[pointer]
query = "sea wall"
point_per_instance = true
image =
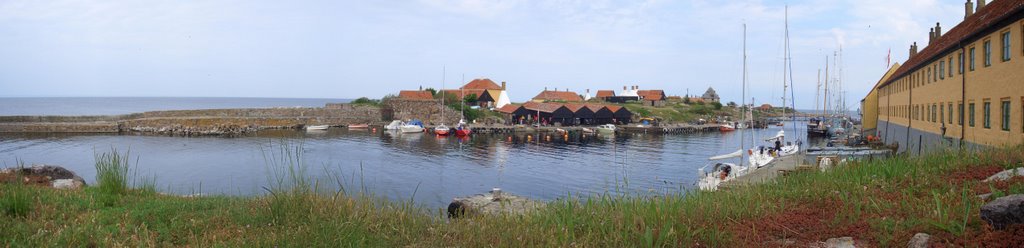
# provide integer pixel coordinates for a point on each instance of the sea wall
(428, 111)
(198, 122)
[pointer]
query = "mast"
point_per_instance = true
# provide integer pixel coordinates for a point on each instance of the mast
(785, 58)
(817, 92)
(743, 100)
(462, 109)
(443, 73)
(824, 109)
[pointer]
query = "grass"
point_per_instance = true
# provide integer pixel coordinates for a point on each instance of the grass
(880, 203)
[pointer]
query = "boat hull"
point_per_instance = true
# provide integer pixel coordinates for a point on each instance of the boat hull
(463, 132)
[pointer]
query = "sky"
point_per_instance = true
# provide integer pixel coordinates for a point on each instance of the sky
(351, 49)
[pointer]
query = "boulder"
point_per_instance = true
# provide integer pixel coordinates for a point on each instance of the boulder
(1006, 174)
(48, 175)
(843, 242)
(920, 240)
(1004, 211)
(491, 203)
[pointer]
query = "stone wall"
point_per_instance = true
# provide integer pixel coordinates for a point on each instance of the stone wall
(198, 122)
(428, 111)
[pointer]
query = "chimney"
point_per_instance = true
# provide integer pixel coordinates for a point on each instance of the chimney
(931, 36)
(913, 50)
(556, 89)
(981, 4)
(623, 87)
(938, 31)
(421, 87)
(588, 91)
(968, 8)
(502, 85)
(545, 88)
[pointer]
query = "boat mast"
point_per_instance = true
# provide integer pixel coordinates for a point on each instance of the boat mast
(817, 92)
(462, 109)
(824, 109)
(743, 100)
(443, 73)
(785, 57)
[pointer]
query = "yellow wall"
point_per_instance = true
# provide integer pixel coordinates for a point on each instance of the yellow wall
(1003, 80)
(870, 106)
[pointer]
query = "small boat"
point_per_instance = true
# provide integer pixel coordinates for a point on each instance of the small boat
(606, 128)
(561, 131)
(720, 172)
(317, 127)
(589, 131)
(726, 128)
(358, 126)
(394, 125)
(463, 130)
(414, 126)
(442, 130)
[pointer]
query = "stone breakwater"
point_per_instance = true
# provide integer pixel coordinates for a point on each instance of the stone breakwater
(197, 122)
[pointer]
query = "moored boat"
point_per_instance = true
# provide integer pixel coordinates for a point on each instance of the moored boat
(463, 130)
(589, 131)
(317, 127)
(442, 130)
(726, 128)
(394, 125)
(720, 171)
(414, 126)
(606, 128)
(358, 126)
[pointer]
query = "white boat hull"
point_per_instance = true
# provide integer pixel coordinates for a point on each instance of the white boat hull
(411, 129)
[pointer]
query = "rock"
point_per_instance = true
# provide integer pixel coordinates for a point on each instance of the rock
(68, 184)
(49, 175)
(1006, 174)
(492, 204)
(920, 240)
(1004, 211)
(844, 242)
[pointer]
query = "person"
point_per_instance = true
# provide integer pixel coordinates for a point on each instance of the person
(725, 171)
(778, 145)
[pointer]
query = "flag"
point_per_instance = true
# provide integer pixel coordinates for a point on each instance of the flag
(888, 58)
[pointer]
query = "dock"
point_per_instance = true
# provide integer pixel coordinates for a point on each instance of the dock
(631, 129)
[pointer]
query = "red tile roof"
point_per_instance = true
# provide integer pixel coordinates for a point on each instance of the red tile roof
(574, 107)
(975, 24)
(509, 108)
(614, 108)
(415, 95)
(543, 107)
(549, 95)
(605, 93)
(595, 107)
(481, 84)
(463, 93)
(651, 95)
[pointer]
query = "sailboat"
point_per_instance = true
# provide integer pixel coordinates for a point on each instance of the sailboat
(413, 126)
(442, 130)
(463, 130)
(782, 147)
(723, 171)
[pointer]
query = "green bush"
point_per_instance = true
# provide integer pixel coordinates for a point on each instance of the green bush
(366, 101)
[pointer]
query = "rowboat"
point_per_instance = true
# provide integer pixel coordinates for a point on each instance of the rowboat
(358, 126)
(317, 127)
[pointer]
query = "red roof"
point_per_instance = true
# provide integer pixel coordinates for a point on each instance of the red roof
(975, 24)
(605, 93)
(508, 108)
(415, 95)
(481, 84)
(614, 108)
(651, 95)
(574, 107)
(567, 96)
(463, 93)
(595, 107)
(543, 107)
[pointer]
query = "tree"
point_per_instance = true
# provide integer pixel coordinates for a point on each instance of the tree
(718, 105)
(732, 104)
(469, 98)
(433, 92)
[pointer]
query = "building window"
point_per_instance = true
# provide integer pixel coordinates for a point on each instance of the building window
(1006, 115)
(934, 113)
(988, 53)
(942, 111)
(987, 115)
(950, 119)
(970, 116)
(1006, 46)
(942, 69)
(960, 63)
(950, 67)
(971, 55)
(960, 113)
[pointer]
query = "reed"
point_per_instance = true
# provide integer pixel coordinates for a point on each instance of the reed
(15, 199)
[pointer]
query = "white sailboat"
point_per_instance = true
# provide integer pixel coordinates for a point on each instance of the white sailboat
(442, 130)
(394, 125)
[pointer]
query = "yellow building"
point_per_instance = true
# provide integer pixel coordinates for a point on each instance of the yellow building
(869, 105)
(965, 89)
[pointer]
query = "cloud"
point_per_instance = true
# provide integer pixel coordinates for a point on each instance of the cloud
(477, 8)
